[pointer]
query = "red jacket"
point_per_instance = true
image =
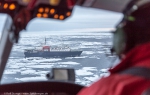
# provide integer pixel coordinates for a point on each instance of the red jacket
(124, 84)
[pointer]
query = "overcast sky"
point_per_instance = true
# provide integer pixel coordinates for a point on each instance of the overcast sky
(82, 18)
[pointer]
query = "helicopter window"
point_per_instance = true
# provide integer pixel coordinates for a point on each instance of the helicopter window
(83, 42)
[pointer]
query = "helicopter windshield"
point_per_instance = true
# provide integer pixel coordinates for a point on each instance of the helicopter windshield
(85, 36)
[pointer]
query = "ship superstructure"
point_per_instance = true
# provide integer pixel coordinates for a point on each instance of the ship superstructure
(52, 52)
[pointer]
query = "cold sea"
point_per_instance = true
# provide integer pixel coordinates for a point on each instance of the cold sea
(89, 67)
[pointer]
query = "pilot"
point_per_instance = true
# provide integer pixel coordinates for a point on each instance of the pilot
(131, 43)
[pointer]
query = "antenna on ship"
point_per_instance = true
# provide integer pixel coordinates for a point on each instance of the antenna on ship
(45, 40)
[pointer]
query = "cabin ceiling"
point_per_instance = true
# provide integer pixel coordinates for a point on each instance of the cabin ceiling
(112, 5)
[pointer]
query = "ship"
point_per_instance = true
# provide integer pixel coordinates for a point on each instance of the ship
(52, 52)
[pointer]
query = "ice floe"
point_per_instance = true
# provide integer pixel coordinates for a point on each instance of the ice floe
(93, 78)
(83, 72)
(88, 52)
(28, 79)
(69, 63)
(90, 68)
(40, 66)
(47, 60)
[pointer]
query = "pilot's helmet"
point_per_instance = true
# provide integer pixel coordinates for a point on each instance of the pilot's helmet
(134, 29)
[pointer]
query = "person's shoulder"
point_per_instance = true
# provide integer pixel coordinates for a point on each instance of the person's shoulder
(117, 84)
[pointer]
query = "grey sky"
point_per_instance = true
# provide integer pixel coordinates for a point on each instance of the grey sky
(81, 18)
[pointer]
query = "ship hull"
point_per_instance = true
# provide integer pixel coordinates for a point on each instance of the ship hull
(53, 54)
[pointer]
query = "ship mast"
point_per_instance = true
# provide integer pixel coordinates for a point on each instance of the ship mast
(45, 40)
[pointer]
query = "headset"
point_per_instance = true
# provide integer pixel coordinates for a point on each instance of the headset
(120, 36)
